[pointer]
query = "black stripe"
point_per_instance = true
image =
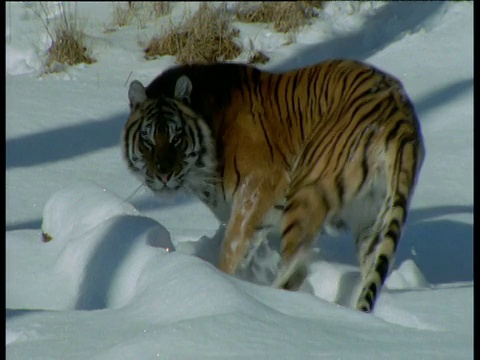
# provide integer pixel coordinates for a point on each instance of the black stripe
(332, 79)
(381, 267)
(410, 138)
(392, 133)
(356, 78)
(251, 91)
(352, 142)
(130, 129)
(344, 88)
(316, 150)
(375, 109)
(365, 161)
(286, 163)
(290, 206)
(391, 111)
(395, 224)
(315, 81)
(337, 154)
(312, 100)
(200, 136)
(373, 289)
(394, 236)
(325, 141)
(302, 105)
(267, 140)
(295, 80)
(262, 227)
(297, 111)
(287, 98)
(401, 202)
(340, 187)
(258, 89)
(302, 132)
(373, 244)
(369, 298)
(237, 173)
(199, 162)
(364, 309)
(290, 228)
(326, 202)
(356, 103)
(222, 171)
(275, 94)
(273, 97)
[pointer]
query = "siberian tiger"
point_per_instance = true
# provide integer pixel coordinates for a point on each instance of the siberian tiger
(336, 143)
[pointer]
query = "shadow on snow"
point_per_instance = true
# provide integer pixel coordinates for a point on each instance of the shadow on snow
(389, 24)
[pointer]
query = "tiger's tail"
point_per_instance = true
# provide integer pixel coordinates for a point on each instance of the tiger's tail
(404, 157)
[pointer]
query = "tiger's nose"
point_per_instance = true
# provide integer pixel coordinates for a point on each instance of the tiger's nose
(164, 177)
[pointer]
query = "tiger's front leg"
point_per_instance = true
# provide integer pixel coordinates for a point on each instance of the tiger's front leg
(252, 200)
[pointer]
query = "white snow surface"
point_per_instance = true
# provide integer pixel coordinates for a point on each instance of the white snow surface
(128, 275)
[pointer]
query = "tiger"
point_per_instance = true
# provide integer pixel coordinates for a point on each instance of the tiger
(335, 145)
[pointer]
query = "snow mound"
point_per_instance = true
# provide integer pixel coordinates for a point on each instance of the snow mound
(80, 207)
(105, 244)
(407, 276)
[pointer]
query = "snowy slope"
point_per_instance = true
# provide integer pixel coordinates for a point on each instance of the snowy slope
(110, 285)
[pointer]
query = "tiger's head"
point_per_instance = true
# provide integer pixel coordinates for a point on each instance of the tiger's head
(165, 142)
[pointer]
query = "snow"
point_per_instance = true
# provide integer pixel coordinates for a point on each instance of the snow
(127, 275)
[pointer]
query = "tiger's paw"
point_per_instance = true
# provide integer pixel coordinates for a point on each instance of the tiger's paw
(292, 273)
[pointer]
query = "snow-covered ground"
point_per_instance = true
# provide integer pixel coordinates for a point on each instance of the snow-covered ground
(131, 276)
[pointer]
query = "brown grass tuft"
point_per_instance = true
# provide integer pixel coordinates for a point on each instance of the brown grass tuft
(68, 47)
(139, 12)
(123, 16)
(68, 38)
(205, 37)
(161, 8)
(285, 15)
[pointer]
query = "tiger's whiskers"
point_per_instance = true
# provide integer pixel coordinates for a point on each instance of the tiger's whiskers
(133, 193)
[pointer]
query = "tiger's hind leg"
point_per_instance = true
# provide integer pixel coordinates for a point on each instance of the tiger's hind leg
(304, 214)
(376, 246)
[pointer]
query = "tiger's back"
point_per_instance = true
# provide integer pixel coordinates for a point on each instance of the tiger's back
(335, 143)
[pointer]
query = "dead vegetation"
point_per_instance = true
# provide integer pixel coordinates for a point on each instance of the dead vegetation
(205, 37)
(138, 12)
(67, 36)
(161, 8)
(208, 36)
(286, 16)
(123, 15)
(68, 47)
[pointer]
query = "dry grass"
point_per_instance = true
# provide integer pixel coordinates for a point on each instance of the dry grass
(68, 47)
(139, 12)
(205, 37)
(161, 8)
(286, 16)
(68, 39)
(123, 16)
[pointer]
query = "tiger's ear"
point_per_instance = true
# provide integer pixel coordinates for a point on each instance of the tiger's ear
(136, 94)
(183, 89)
